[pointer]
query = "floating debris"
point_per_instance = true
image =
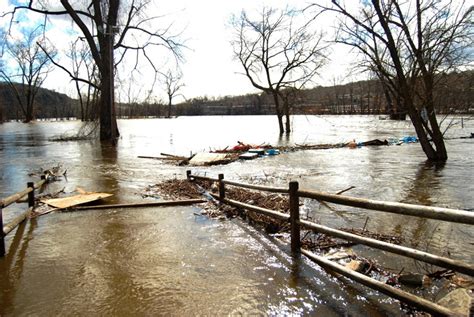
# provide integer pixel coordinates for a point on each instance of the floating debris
(52, 174)
(82, 198)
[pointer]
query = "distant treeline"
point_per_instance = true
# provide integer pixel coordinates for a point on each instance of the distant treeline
(455, 94)
(49, 104)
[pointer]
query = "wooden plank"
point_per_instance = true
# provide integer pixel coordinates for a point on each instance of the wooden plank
(458, 266)
(438, 213)
(67, 202)
(145, 204)
(393, 292)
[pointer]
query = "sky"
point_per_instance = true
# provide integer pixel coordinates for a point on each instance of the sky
(209, 68)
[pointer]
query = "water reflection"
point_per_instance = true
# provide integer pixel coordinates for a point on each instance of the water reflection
(425, 184)
(12, 265)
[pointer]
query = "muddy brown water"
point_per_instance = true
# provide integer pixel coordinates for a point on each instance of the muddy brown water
(172, 261)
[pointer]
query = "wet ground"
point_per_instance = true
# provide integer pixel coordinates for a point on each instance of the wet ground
(174, 262)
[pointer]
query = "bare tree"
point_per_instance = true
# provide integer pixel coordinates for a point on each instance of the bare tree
(408, 43)
(31, 67)
(82, 62)
(172, 81)
(277, 53)
(109, 26)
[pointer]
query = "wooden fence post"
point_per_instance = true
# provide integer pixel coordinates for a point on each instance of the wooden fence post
(31, 195)
(294, 217)
(221, 187)
(188, 175)
(2, 234)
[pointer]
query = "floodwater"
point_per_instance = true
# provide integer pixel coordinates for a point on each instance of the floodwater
(173, 261)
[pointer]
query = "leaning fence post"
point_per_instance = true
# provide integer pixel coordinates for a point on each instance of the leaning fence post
(188, 175)
(221, 187)
(294, 217)
(31, 194)
(2, 234)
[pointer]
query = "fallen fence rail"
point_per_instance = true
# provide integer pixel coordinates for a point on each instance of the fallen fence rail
(30, 191)
(393, 292)
(146, 204)
(437, 213)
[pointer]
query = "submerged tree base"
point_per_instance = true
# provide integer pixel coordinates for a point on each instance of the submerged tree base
(88, 131)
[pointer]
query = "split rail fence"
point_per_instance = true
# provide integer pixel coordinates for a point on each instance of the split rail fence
(30, 191)
(296, 224)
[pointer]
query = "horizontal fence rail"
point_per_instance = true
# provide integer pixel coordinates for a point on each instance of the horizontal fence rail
(393, 248)
(258, 187)
(445, 214)
(264, 211)
(17, 196)
(437, 213)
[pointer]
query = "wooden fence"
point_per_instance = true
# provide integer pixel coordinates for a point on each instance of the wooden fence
(6, 229)
(442, 214)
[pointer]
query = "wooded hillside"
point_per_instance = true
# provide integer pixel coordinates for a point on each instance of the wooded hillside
(49, 104)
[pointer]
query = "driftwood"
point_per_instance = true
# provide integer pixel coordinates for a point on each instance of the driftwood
(181, 160)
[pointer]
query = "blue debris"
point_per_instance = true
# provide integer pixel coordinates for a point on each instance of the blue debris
(409, 139)
(272, 152)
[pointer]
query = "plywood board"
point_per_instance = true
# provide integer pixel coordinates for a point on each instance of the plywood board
(67, 202)
(208, 158)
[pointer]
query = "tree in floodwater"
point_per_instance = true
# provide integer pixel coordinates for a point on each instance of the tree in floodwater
(277, 53)
(172, 81)
(109, 26)
(28, 67)
(408, 44)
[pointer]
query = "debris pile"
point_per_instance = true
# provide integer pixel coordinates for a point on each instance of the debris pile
(245, 151)
(52, 174)
(173, 189)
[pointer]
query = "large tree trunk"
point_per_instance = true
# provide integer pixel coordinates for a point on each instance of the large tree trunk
(107, 118)
(437, 153)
